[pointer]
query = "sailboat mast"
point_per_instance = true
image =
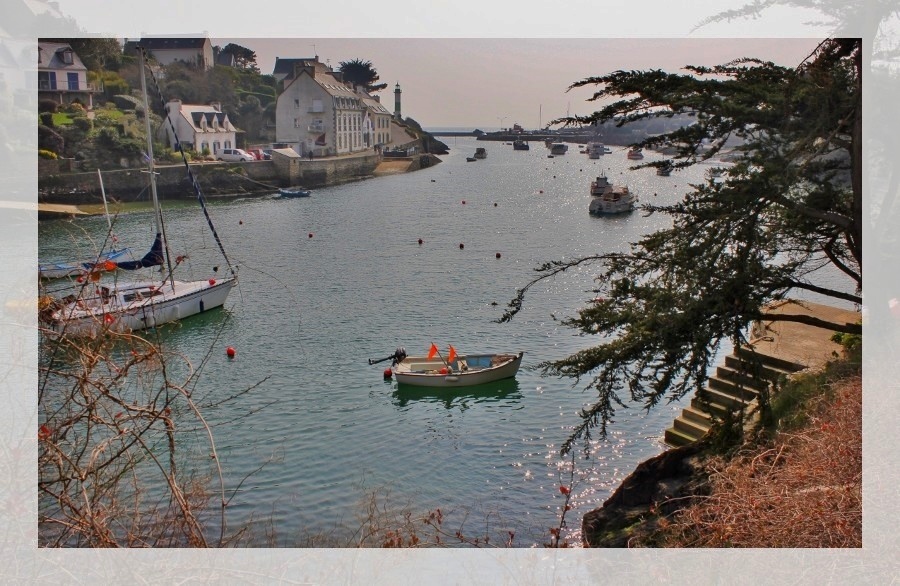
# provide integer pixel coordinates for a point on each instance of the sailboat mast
(105, 206)
(151, 169)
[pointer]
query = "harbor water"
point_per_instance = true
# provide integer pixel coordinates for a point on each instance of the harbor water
(331, 281)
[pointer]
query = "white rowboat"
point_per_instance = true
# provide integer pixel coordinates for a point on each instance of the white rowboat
(465, 370)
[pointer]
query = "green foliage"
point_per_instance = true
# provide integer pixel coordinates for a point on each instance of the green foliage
(47, 105)
(850, 342)
(788, 409)
(244, 58)
(791, 204)
(45, 154)
(359, 72)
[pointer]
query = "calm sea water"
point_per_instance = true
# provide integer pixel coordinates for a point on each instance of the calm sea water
(333, 280)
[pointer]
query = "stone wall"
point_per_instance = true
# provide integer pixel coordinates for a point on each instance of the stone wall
(215, 179)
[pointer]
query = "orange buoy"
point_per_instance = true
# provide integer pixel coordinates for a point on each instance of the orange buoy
(444, 370)
(230, 351)
(387, 373)
(212, 282)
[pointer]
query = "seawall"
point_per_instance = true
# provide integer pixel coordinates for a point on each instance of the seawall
(215, 179)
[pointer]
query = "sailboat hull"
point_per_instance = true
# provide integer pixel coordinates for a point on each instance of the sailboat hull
(139, 306)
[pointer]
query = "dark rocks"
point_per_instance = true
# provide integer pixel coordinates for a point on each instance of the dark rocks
(657, 486)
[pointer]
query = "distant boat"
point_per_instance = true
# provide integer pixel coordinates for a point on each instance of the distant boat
(471, 159)
(665, 170)
(609, 198)
(480, 153)
(520, 145)
(635, 153)
(290, 192)
(596, 150)
(558, 148)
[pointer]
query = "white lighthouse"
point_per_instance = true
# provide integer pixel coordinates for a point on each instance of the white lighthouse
(397, 101)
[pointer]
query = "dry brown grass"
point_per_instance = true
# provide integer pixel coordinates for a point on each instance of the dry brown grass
(803, 490)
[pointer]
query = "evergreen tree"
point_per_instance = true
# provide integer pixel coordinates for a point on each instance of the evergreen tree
(790, 205)
(359, 72)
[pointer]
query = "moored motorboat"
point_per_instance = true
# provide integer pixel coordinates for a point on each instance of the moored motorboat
(609, 198)
(480, 153)
(471, 159)
(457, 371)
(520, 145)
(558, 148)
(635, 153)
(664, 171)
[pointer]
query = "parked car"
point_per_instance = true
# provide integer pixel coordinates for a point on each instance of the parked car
(234, 155)
(267, 154)
(257, 154)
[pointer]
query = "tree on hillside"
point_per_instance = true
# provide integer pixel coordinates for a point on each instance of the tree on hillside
(788, 207)
(244, 58)
(362, 73)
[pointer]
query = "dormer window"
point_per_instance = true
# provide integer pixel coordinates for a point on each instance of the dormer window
(67, 56)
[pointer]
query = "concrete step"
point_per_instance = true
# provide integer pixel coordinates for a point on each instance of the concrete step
(741, 378)
(715, 411)
(766, 359)
(725, 399)
(732, 389)
(676, 439)
(691, 428)
(767, 372)
(697, 415)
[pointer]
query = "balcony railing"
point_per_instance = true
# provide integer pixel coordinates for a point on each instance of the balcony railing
(44, 85)
(315, 128)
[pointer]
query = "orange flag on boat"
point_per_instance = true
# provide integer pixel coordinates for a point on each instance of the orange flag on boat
(432, 351)
(452, 355)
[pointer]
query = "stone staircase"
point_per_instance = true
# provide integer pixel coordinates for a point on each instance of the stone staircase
(734, 388)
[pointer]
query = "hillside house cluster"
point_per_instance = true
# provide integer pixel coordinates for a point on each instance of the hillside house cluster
(318, 114)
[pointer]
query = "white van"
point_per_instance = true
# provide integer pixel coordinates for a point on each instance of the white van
(235, 155)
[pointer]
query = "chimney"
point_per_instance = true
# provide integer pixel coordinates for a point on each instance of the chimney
(173, 105)
(217, 106)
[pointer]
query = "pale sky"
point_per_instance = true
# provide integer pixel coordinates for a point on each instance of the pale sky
(483, 82)
(476, 62)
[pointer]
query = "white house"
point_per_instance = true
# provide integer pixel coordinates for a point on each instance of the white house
(62, 76)
(318, 114)
(198, 127)
(196, 52)
(377, 122)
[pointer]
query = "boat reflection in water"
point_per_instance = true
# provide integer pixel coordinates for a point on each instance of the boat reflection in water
(506, 390)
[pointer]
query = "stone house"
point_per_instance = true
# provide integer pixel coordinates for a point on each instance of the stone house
(196, 52)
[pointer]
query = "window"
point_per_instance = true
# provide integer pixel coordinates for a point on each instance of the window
(297, 103)
(72, 79)
(296, 123)
(216, 147)
(67, 57)
(317, 106)
(46, 80)
(227, 144)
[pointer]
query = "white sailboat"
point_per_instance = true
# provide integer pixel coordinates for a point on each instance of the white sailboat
(123, 307)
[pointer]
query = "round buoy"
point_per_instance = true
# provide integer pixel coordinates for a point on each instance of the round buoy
(240, 222)
(387, 373)
(554, 176)
(464, 202)
(498, 255)
(461, 245)
(230, 351)
(444, 370)
(495, 204)
(541, 191)
(432, 180)
(420, 241)
(108, 318)
(212, 282)
(310, 234)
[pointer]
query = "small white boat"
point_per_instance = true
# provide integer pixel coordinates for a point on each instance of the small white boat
(635, 153)
(294, 192)
(558, 148)
(463, 371)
